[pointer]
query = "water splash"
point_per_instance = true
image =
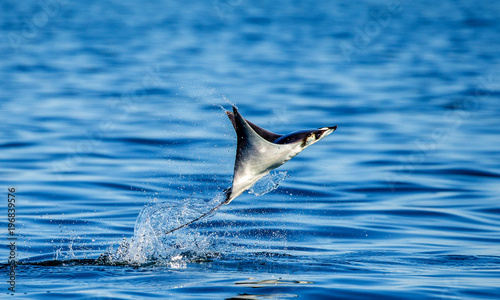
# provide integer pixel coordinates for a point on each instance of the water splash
(67, 253)
(268, 183)
(150, 244)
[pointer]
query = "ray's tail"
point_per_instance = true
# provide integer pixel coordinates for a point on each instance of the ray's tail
(227, 194)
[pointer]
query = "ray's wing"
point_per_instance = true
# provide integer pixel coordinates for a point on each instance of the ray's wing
(255, 155)
(267, 135)
(247, 137)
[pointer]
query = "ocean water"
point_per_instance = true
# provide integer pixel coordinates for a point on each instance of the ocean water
(113, 130)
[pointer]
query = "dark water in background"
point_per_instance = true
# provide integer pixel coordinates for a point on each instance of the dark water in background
(109, 106)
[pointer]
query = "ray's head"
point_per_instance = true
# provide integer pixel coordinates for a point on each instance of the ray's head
(316, 135)
(306, 137)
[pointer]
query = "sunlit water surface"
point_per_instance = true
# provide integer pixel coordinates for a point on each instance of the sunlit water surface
(111, 121)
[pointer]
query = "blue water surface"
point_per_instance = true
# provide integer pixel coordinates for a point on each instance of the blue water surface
(108, 107)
